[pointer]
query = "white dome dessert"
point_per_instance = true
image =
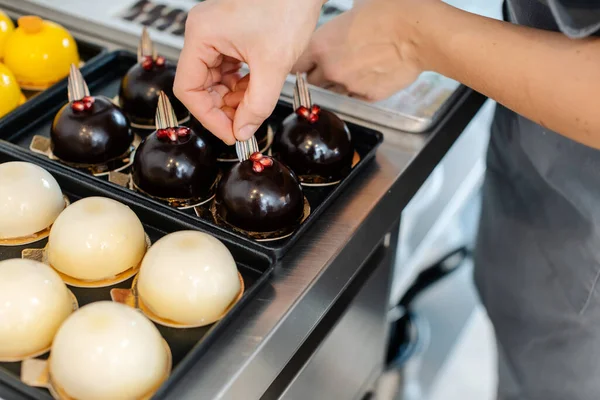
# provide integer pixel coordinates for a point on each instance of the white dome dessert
(96, 238)
(34, 302)
(107, 350)
(188, 277)
(30, 199)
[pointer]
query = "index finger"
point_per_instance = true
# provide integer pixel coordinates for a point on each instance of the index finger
(193, 81)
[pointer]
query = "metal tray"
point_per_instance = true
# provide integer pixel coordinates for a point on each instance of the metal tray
(187, 345)
(103, 77)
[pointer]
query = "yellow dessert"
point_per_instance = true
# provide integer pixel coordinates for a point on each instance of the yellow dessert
(39, 53)
(10, 93)
(6, 27)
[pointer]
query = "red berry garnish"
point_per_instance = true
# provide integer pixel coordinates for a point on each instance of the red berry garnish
(260, 161)
(256, 156)
(183, 131)
(78, 105)
(147, 63)
(303, 111)
(83, 104)
(311, 115)
(162, 133)
(266, 161)
(258, 167)
(172, 133)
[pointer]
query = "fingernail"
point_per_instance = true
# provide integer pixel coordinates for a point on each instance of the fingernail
(247, 131)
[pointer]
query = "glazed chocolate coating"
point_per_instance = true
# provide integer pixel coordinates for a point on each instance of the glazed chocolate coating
(183, 169)
(323, 148)
(91, 136)
(265, 201)
(138, 94)
(225, 151)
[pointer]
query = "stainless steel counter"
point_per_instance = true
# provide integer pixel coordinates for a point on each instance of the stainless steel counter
(258, 345)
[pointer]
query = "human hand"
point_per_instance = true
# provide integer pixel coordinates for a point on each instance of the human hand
(369, 52)
(268, 35)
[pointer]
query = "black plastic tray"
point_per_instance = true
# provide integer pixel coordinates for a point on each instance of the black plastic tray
(103, 77)
(187, 345)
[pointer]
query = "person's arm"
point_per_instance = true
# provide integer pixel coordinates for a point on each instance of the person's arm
(545, 76)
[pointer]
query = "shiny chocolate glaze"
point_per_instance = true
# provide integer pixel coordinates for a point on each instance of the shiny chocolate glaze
(266, 201)
(91, 136)
(138, 95)
(321, 149)
(182, 169)
(228, 152)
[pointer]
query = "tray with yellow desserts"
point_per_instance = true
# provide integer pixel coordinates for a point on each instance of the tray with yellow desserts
(34, 55)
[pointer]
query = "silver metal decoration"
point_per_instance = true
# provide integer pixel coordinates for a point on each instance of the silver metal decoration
(301, 93)
(165, 115)
(77, 87)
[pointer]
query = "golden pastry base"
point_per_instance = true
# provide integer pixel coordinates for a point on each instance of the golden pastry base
(38, 353)
(263, 149)
(37, 373)
(36, 237)
(42, 145)
(41, 255)
(132, 298)
(126, 181)
(259, 236)
(317, 181)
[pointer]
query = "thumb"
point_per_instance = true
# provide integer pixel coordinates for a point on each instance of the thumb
(259, 100)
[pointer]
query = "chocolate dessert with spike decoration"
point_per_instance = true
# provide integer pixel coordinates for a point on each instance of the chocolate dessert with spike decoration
(259, 195)
(174, 163)
(88, 129)
(314, 142)
(138, 94)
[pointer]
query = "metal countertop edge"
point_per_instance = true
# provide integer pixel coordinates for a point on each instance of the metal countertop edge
(258, 344)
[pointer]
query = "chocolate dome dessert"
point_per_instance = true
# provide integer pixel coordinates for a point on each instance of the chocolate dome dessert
(174, 163)
(89, 129)
(138, 94)
(222, 150)
(260, 195)
(315, 143)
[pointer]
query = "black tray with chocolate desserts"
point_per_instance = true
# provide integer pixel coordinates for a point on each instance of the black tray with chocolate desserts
(346, 154)
(186, 345)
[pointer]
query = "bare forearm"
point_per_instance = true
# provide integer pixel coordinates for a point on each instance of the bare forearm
(548, 78)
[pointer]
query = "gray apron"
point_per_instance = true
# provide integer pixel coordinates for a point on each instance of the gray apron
(538, 250)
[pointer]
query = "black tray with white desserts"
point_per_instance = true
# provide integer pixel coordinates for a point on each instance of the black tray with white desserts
(103, 78)
(186, 345)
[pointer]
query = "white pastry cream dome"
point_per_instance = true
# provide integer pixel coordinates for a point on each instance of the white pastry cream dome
(30, 199)
(96, 238)
(108, 350)
(34, 302)
(188, 277)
